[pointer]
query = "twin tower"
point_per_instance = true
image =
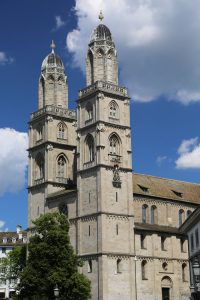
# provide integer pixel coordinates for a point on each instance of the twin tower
(80, 164)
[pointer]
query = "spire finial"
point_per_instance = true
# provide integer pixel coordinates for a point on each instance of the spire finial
(52, 46)
(101, 16)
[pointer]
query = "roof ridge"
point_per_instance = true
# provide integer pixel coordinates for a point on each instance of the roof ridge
(164, 178)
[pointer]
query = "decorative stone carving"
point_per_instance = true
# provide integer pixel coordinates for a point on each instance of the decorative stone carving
(49, 147)
(49, 119)
(100, 128)
(116, 177)
(128, 133)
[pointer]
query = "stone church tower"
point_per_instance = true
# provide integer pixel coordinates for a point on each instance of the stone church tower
(52, 139)
(104, 174)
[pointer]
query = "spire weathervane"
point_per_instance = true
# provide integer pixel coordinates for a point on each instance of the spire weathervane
(52, 46)
(101, 16)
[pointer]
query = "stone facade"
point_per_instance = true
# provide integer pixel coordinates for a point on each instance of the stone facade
(124, 226)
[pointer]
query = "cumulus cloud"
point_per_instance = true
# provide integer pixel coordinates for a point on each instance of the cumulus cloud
(59, 23)
(13, 160)
(189, 154)
(4, 59)
(157, 41)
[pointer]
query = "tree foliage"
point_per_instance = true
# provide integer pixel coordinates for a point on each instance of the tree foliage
(52, 261)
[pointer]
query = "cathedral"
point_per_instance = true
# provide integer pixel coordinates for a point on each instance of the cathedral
(123, 225)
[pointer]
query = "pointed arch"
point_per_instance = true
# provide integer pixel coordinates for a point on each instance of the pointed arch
(61, 166)
(113, 110)
(39, 166)
(90, 68)
(51, 78)
(114, 144)
(89, 148)
(61, 131)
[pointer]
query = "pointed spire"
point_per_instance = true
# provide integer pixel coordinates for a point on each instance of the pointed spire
(101, 16)
(52, 46)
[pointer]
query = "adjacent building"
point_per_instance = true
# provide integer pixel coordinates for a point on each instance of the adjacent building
(7, 241)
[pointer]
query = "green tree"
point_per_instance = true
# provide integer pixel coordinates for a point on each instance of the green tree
(52, 262)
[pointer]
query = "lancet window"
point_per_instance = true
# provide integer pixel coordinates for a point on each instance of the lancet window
(61, 166)
(114, 144)
(89, 148)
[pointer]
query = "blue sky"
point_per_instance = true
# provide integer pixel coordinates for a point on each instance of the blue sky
(159, 59)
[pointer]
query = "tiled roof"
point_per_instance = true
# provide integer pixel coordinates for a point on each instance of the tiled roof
(166, 188)
(157, 228)
(10, 235)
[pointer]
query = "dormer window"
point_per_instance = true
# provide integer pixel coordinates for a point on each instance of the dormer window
(179, 194)
(5, 240)
(13, 240)
(143, 188)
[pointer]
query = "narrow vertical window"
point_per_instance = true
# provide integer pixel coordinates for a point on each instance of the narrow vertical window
(188, 213)
(113, 110)
(117, 229)
(89, 148)
(143, 241)
(181, 214)
(163, 243)
(192, 242)
(89, 197)
(144, 213)
(153, 214)
(119, 265)
(182, 243)
(184, 266)
(89, 266)
(89, 230)
(116, 197)
(144, 269)
(197, 237)
(61, 131)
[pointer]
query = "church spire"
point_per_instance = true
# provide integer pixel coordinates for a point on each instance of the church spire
(101, 63)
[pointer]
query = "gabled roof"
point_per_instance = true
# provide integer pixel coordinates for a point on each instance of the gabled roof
(166, 188)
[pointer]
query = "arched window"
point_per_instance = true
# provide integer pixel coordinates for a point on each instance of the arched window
(90, 68)
(61, 131)
(144, 213)
(39, 166)
(89, 266)
(89, 112)
(144, 269)
(61, 167)
(181, 216)
(113, 110)
(39, 132)
(114, 144)
(89, 149)
(165, 266)
(119, 265)
(188, 213)
(184, 269)
(153, 214)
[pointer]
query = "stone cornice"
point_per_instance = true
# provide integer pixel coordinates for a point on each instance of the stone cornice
(108, 124)
(106, 88)
(129, 170)
(42, 144)
(96, 214)
(53, 111)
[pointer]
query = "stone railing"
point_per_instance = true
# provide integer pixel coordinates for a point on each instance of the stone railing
(54, 110)
(39, 181)
(103, 86)
(114, 158)
(88, 164)
(62, 180)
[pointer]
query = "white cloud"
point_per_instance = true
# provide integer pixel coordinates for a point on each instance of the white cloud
(160, 159)
(4, 59)
(13, 160)
(157, 41)
(189, 154)
(59, 23)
